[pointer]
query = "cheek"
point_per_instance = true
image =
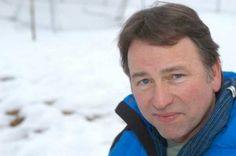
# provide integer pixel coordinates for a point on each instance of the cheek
(197, 98)
(143, 101)
(194, 90)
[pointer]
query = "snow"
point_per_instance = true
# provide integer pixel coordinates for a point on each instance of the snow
(63, 88)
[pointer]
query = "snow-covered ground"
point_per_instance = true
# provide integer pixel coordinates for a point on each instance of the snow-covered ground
(58, 94)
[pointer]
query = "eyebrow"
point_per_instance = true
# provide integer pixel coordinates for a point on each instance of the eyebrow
(139, 74)
(163, 71)
(172, 69)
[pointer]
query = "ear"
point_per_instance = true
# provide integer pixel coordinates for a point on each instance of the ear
(216, 76)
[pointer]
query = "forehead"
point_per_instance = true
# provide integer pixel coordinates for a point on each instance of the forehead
(143, 55)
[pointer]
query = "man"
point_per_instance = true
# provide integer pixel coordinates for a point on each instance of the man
(182, 103)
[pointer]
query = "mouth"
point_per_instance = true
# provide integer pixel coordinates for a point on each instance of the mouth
(166, 117)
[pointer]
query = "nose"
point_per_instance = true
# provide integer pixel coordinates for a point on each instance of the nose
(162, 97)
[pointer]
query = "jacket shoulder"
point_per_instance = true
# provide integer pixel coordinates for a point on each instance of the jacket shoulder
(225, 142)
(229, 75)
(127, 144)
(135, 139)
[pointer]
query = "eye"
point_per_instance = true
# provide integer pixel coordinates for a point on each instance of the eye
(144, 82)
(177, 78)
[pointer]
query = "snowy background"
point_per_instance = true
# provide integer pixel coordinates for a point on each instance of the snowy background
(58, 93)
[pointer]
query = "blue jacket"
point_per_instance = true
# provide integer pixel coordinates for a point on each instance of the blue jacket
(138, 139)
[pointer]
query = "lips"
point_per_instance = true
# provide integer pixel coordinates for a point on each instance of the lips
(166, 117)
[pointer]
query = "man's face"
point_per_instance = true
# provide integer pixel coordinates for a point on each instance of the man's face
(172, 87)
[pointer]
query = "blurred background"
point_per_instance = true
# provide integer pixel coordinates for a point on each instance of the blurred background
(60, 77)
